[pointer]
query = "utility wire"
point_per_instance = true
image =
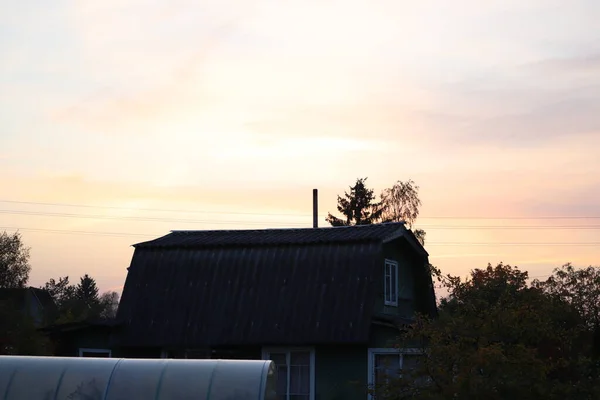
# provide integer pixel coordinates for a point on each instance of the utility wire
(564, 217)
(73, 232)
(146, 209)
(287, 224)
(146, 219)
(457, 244)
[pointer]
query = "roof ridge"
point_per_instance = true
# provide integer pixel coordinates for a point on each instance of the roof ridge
(277, 236)
(400, 223)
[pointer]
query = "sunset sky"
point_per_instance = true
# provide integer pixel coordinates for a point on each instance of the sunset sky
(121, 120)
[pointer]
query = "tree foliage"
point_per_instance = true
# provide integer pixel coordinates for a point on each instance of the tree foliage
(109, 303)
(400, 203)
(87, 291)
(14, 261)
(61, 291)
(497, 337)
(19, 334)
(578, 287)
(81, 301)
(359, 207)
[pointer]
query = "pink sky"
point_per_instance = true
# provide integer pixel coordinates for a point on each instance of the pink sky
(234, 110)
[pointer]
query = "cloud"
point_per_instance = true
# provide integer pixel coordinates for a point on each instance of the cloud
(539, 125)
(582, 64)
(569, 201)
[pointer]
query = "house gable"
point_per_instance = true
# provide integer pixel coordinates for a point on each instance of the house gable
(35, 303)
(275, 286)
(413, 287)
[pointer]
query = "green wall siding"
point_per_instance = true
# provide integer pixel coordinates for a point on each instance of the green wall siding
(69, 343)
(398, 252)
(341, 372)
(383, 336)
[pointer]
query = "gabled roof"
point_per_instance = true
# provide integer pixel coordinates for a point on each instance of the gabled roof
(78, 325)
(273, 286)
(19, 296)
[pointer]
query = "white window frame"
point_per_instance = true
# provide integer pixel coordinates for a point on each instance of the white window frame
(393, 265)
(372, 352)
(266, 351)
(99, 351)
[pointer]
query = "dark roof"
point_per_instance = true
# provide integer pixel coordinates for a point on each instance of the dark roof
(270, 237)
(274, 286)
(78, 325)
(19, 296)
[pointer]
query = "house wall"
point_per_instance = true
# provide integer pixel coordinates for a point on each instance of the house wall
(69, 343)
(34, 308)
(383, 336)
(340, 372)
(399, 252)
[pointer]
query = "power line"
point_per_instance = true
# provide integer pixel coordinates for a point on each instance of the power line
(517, 244)
(441, 286)
(145, 209)
(457, 244)
(289, 224)
(456, 217)
(73, 232)
(145, 219)
(513, 218)
(486, 227)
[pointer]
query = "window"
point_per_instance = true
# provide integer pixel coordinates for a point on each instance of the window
(390, 289)
(97, 353)
(386, 364)
(295, 372)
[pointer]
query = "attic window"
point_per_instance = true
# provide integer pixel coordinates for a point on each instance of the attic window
(390, 288)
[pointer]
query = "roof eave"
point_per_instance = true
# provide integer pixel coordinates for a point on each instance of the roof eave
(410, 238)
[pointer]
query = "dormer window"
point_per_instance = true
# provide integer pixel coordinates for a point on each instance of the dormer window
(390, 290)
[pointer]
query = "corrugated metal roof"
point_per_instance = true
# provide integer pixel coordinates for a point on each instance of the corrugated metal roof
(208, 238)
(319, 293)
(273, 286)
(19, 295)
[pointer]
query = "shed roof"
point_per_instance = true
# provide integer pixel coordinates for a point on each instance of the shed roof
(275, 286)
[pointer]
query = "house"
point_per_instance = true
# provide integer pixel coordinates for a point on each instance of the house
(324, 303)
(33, 303)
(87, 338)
(22, 309)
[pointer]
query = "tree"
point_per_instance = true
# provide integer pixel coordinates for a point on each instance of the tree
(401, 203)
(109, 302)
(19, 334)
(87, 291)
(497, 337)
(358, 207)
(81, 301)
(14, 261)
(578, 287)
(62, 292)
(581, 289)
(88, 299)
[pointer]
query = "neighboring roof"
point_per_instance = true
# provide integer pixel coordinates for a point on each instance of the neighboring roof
(78, 325)
(275, 286)
(291, 236)
(19, 296)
